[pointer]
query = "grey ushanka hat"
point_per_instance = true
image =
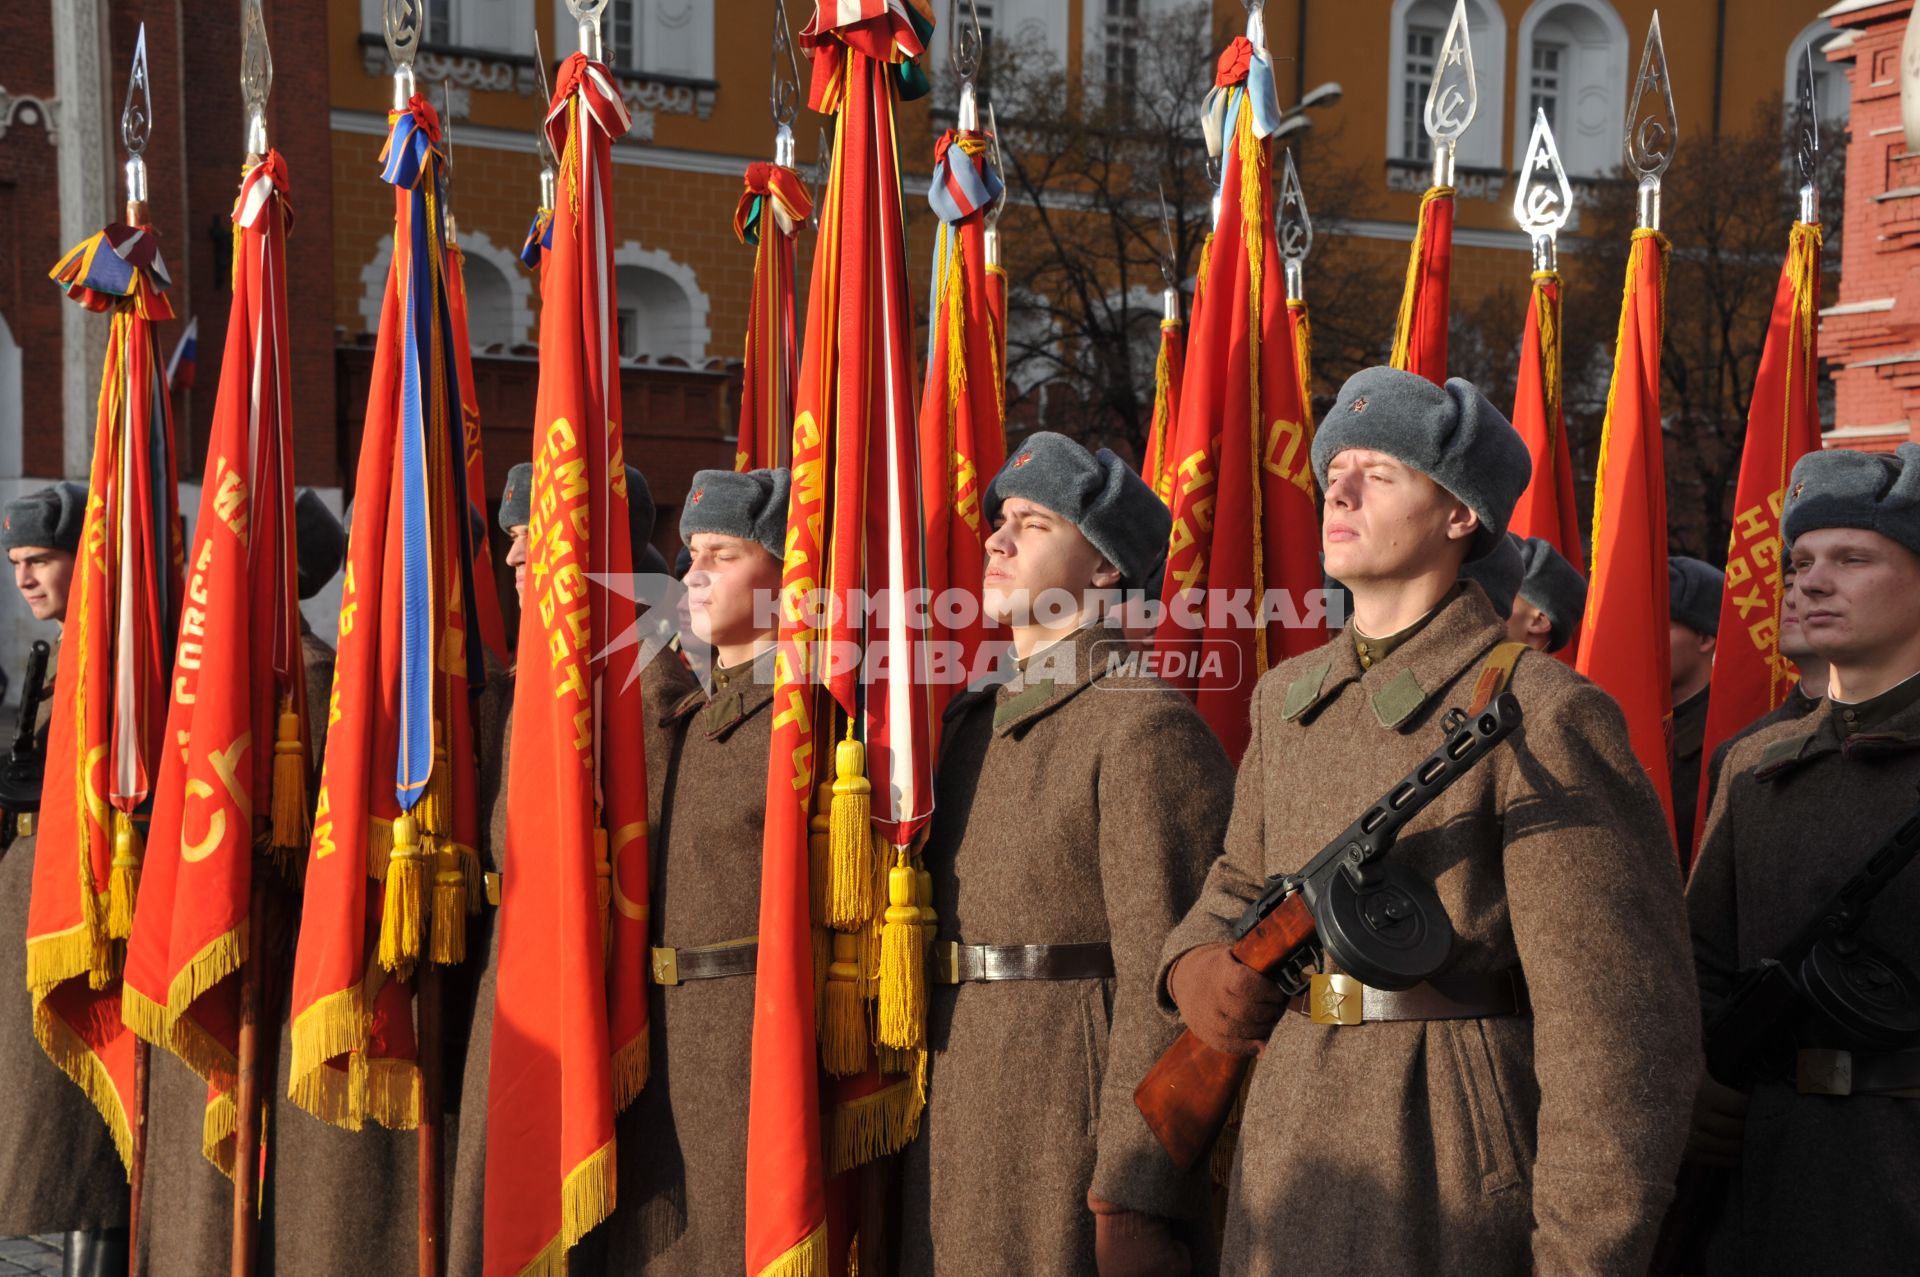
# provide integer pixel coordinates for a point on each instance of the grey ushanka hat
(1873, 491)
(1499, 573)
(51, 517)
(752, 506)
(1554, 586)
(1693, 593)
(1095, 491)
(320, 541)
(1449, 433)
(516, 498)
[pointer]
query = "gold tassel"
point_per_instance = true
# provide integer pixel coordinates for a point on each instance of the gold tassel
(903, 972)
(449, 905)
(870, 934)
(843, 1044)
(435, 809)
(289, 787)
(124, 882)
(406, 889)
(852, 830)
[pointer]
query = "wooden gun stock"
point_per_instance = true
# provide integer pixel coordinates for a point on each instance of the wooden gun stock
(1188, 1093)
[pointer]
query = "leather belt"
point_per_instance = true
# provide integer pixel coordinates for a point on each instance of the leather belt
(1828, 1072)
(705, 962)
(956, 963)
(1338, 998)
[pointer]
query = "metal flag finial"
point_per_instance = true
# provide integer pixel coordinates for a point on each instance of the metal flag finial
(1454, 95)
(818, 172)
(1170, 294)
(1543, 201)
(998, 160)
(549, 163)
(587, 14)
(256, 76)
(402, 21)
(783, 99)
(1296, 228)
(1807, 141)
(136, 124)
(964, 53)
(1652, 126)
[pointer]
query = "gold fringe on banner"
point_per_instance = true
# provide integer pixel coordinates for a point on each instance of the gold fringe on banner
(808, 1258)
(843, 1037)
(873, 1125)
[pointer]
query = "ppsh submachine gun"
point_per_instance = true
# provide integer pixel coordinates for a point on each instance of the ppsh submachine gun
(1373, 918)
(1826, 990)
(26, 761)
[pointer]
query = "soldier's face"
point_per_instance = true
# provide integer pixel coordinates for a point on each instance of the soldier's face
(43, 575)
(517, 559)
(1031, 552)
(729, 576)
(1859, 595)
(1386, 521)
(1793, 639)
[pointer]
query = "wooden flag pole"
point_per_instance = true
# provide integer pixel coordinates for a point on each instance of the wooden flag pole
(137, 1174)
(431, 1071)
(246, 1092)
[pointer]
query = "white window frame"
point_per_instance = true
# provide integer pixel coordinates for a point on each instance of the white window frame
(699, 13)
(1483, 144)
(1577, 77)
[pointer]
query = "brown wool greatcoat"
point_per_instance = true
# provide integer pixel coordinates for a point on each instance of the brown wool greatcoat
(58, 1168)
(1683, 767)
(1475, 1146)
(1073, 805)
(682, 1144)
(1825, 1186)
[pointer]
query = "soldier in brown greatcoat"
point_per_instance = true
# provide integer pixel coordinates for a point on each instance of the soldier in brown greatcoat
(1524, 1107)
(59, 1172)
(1693, 603)
(683, 1142)
(1822, 1148)
(1534, 589)
(1078, 805)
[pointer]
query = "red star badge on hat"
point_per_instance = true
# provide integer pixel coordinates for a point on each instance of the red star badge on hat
(697, 494)
(1022, 460)
(1799, 487)
(1358, 405)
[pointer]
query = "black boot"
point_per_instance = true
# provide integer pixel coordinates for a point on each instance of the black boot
(98, 1253)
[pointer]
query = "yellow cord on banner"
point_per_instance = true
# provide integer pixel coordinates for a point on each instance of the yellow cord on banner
(1402, 355)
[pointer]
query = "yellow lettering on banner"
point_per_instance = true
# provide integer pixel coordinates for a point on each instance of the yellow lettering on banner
(569, 584)
(560, 437)
(583, 732)
(966, 496)
(570, 478)
(1750, 524)
(348, 605)
(97, 532)
(197, 587)
(230, 499)
(323, 844)
(1284, 438)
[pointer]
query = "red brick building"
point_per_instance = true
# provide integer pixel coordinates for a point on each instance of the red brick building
(1870, 336)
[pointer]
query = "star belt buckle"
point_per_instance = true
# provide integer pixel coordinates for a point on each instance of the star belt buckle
(1336, 999)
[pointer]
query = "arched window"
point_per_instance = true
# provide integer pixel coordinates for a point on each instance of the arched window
(1831, 93)
(490, 308)
(1415, 33)
(1573, 55)
(498, 26)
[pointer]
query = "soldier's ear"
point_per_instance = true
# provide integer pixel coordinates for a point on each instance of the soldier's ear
(1462, 522)
(1106, 576)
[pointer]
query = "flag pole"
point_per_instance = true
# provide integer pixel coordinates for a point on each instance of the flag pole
(256, 81)
(136, 119)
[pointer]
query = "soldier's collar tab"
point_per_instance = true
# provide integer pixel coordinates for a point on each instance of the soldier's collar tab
(1784, 755)
(1304, 692)
(1399, 700)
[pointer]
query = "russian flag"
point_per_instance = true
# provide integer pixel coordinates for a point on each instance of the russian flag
(180, 366)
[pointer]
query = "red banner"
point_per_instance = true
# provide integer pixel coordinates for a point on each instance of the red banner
(772, 210)
(1420, 329)
(1626, 650)
(963, 434)
(105, 737)
(1246, 522)
(1167, 369)
(493, 624)
(1750, 676)
(570, 1042)
(239, 695)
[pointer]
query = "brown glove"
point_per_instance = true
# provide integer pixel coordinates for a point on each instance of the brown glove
(1228, 1005)
(1131, 1243)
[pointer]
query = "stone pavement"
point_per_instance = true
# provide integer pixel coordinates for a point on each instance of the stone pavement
(39, 1256)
